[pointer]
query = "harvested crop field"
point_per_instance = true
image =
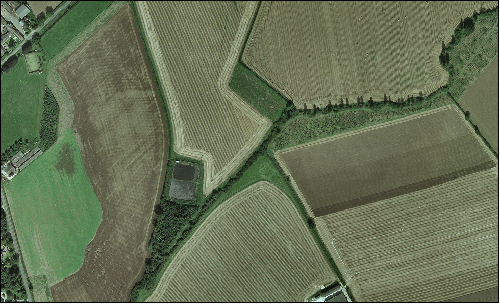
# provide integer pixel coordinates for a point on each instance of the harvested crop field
(39, 6)
(426, 246)
(481, 100)
(488, 295)
(316, 52)
(253, 248)
(195, 53)
(122, 134)
(385, 160)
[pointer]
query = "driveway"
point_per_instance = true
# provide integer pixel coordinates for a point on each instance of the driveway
(61, 8)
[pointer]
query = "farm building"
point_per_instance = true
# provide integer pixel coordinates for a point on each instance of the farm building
(22, 11)
(33, 63)
(18, 162)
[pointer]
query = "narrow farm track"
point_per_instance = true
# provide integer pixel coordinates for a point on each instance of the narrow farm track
(195, 55)
(253, 248)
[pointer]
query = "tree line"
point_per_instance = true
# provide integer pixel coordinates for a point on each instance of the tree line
(49, 122)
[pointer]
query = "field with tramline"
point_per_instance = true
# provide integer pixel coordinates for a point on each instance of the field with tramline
(363, 166)
(196, 52)
(426, 246)
(120, 128)
(254, 247)
(317, 52)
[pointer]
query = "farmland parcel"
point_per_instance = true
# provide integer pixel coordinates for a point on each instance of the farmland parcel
(426, 246)
(254, 247)
(55, 211)
(316, 52)
(386, 160)
(196, 52)
(481, 99)
(121, 130)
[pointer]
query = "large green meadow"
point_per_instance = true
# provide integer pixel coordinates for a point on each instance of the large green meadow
(55, 211)
(21, 104)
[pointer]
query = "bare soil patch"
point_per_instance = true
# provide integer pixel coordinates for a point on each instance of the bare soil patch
(386, 160)
(39, 6)
(121, 126)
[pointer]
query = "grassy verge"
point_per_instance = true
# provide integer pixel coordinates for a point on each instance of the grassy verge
(70, 25)
(54, 192)
(21, 104)
(256, 92)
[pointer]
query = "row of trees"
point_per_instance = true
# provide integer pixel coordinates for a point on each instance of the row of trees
(12, 282)
(50, 119)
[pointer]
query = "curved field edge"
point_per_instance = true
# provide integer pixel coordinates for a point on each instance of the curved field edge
(44, 204)
(211, 179)
(281, 201)
(287, 85)
(143, 130)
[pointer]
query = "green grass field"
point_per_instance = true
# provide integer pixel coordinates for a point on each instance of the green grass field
(21, 104)
(70, 25)
(55, 211)
(256, 92)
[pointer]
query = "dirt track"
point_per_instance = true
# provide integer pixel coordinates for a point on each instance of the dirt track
(123, 140)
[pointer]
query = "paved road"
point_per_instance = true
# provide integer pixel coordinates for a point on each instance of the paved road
(62, 7)
(5, 207)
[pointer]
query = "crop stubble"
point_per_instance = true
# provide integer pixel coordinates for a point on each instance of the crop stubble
(254, 247)
(427, 246)
(123, 139)
(481, 99)
(383, 161)
(315, 51)
(196, 52)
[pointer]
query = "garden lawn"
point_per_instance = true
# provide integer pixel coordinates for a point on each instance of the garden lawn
(22, 103)
(55, 211)
(70, 25)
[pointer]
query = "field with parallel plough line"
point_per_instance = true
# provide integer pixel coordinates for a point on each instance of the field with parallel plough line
(426, 246)
(316, 52)
(195, 53)
(121, 131)
(253, 248)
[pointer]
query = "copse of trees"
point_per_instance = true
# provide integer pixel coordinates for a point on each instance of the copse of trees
(50, 119)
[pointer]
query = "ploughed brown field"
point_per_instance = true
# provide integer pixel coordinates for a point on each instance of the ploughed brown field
(481, 100)
(386, 160)
(120, 125)
(195, 46)
(255, 247)
(316, 52)
(431, 245)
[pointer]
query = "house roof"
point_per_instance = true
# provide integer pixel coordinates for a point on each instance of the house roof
(22, 11)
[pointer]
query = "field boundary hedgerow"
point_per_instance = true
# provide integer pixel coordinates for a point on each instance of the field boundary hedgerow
(380, 111)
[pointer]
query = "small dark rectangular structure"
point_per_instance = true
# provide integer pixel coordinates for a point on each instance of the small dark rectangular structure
(183, 190)
(185, 172)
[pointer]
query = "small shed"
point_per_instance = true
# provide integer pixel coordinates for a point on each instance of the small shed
(22, 11)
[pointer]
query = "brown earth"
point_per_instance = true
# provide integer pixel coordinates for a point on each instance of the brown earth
(426, 246)
(386, 160)
(316, 52)
(123, 140)
(481, 100)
